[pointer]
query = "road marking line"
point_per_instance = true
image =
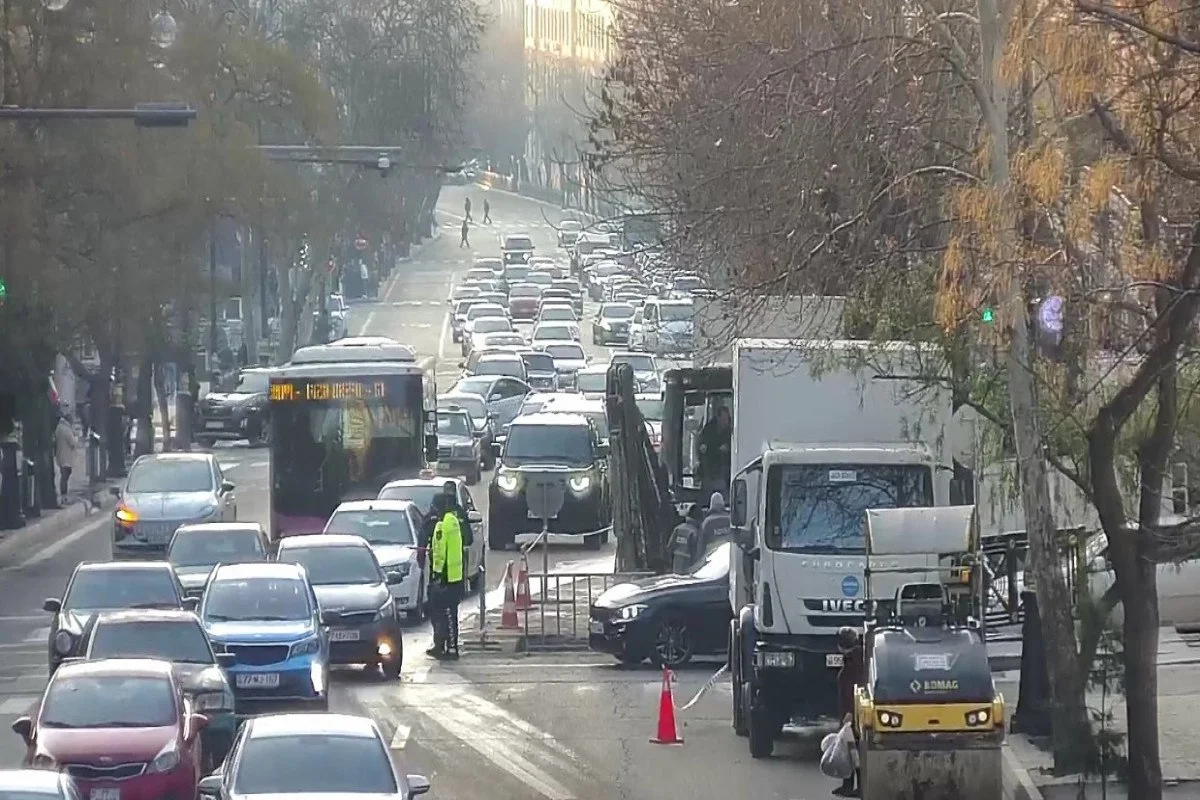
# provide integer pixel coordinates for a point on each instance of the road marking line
(228, 465)
(17, 705)
(50, 551)
(259, 464)
(39, 634)
(400, 737)
(24, 618)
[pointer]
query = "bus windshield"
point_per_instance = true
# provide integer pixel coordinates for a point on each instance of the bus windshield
(345, 446)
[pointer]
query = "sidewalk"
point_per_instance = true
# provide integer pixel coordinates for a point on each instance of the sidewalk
(1178, 713)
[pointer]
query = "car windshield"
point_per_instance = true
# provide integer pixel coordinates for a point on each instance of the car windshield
(554, 444)
(558, 314)
(617, 311)
(257, 599)
(377, 526)
(420, 495)
(179, 640)
(341, 565)
(463, 292)
(540, 278)
(512, 367)
(454, 424)
(253, 383)
(205, 548)
(515, 273)
(651, 408)
(518, 243)
(538, 362)
(122, 588)
(473, 405)
(687, 283)
(463, 306)
(492, 325)
(715, 565)
(161, 475)
(480, 274)
(675, 312)
(569, 352)
(480, 385)
(300, 765)
(109, 701)
(482, 310)
(552, 332)
(525, 290)
(639, 362)
(591, 381)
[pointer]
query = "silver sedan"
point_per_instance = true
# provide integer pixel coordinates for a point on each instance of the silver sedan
(164, 491)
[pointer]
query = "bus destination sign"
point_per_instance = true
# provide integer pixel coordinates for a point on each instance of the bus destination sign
(294, 390)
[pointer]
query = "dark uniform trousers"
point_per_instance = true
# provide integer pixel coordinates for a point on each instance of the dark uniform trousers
(445, 599)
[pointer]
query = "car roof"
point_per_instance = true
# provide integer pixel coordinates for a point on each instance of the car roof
(498, 356)
(558, 419)
(311, 724)
(544, 343)
(221, 527)
(136, 667)
(38, 781)
(375, 505)
(452, 396)
(129, 615)
(327, 539)
(258, 569)
(613, 303)
(593, 369)
(406, 482)
(206, 458)
(454, 411)
(572, 402)
(647, 396)
(628, 353)
(125, 566)
(488, 306)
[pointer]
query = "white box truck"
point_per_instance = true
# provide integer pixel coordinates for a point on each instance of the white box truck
(822, 431)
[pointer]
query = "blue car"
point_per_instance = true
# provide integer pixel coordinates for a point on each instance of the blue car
(266, 615)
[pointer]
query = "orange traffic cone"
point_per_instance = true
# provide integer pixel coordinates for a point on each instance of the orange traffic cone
(508, 615)
(667, 731)
(524, 600)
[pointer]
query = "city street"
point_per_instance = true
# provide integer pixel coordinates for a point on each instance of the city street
(566, 726)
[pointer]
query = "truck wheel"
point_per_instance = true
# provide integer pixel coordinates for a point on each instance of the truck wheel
(735, 670)
(761, 723)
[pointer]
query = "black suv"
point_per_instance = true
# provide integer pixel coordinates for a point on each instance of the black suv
(567, 447)
(240, 413)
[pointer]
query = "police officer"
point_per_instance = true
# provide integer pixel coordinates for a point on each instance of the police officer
(685, 540)
(446, 581)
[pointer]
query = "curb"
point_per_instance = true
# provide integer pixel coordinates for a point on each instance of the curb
(1017, 783)
(49, 529)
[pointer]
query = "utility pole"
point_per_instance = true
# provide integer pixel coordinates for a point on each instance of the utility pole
(212, 296)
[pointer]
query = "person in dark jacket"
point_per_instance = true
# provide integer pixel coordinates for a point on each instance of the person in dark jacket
(715, 455)
(849, 676)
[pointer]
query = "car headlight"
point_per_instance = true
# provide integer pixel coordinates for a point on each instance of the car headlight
(165, 761)
(580, 484)
(213, 701)
(507, 482)
(126, 515)
(404, 569)
(306, 648)
(43, 761)
(64, 643)
(387, 610)
(630, 612)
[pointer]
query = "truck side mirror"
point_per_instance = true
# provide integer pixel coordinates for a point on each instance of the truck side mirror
(737, 504)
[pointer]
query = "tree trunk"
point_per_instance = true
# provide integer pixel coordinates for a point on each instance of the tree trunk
(250, 301)
(160, 393)
(144, 406)
(1069, 715)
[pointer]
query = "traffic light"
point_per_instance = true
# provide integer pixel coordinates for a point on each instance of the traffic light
(988, 314)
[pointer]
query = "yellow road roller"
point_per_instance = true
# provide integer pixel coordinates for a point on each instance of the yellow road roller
(928, 719)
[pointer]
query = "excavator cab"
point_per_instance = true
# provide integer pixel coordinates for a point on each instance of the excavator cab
(691, 397)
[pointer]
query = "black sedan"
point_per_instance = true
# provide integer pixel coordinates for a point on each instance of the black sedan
(666, 618)
(238, 414)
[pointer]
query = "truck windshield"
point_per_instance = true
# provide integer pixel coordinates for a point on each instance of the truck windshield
(819, 508)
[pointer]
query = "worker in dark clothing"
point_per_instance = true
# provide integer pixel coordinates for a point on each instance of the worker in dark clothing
(445, 582)
(716, 523)
(467, 208)
(715, 456)
(466, 228)
(849, 676)
(685, 541)
(487, 212)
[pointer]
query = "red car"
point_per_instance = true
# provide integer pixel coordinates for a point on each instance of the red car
(524, 300)
(120, 728)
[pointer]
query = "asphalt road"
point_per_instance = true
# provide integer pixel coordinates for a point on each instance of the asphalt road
(558, 727)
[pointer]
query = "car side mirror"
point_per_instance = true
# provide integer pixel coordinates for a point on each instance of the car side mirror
(191, 604)
(394, 578)
(210, 785)
(227, 486)
(737, 504)
(115, 491)
(417, 785)
(462, 365)
(23, 727)
(602, 449)
(196, 723)
(474, 517)
(496, 448)
(52, 605)
(226, 660)
(431, 448)
(330, 617)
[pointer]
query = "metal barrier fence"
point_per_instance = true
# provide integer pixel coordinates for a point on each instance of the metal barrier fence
(559, 614)
(1006, 556)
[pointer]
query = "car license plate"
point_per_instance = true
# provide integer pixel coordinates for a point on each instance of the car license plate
(106, 793)
(535, 516)
(345, 636)
(212, 425)
(258, 680)
(596, 626)
(833, 660)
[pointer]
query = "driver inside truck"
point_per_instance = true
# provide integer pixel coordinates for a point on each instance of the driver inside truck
(715, 454)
